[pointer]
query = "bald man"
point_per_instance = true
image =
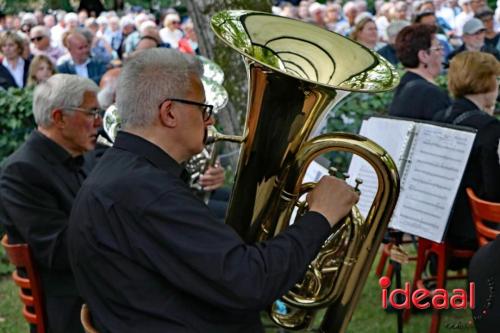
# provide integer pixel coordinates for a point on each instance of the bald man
(81, 62)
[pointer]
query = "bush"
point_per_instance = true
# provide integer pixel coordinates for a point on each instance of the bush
(16, 119)
(16, 123)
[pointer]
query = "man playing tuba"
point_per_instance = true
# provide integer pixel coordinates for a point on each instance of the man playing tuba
(147, 254)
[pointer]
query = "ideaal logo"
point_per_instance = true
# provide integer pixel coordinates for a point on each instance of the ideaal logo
(423, 298)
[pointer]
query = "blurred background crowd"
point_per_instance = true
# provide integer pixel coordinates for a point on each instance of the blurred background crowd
(34, 45)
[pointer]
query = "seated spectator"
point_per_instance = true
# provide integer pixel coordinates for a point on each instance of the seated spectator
(492, 38)
(41, 68)
(189, 43)
(14, 69)
(39, 182)
(365, 32)
(171, 34)
(389, 51)
(417, 95)
(332, 16)
(465, 15)
(80, 62)
(40, 39)
(429, 18)
(474, 34)
(472, 80)
(350, 12)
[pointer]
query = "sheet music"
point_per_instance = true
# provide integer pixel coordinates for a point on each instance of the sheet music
(431, 179)
(392, 135)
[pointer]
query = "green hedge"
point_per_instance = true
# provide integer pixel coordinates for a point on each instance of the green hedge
(16, 122)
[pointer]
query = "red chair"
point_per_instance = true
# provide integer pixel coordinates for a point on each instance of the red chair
(30, 287)
(483, 211)
(443, 252)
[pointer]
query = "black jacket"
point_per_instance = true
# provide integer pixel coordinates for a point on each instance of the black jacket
(482, 172)
(38, 184)
(417, 98)
(7, 80)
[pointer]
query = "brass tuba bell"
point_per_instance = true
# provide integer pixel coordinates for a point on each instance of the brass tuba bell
(297, 73)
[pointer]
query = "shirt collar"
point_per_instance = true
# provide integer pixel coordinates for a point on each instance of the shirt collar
(55, 152)
(82, 65)
(154, 154)
(20, 63)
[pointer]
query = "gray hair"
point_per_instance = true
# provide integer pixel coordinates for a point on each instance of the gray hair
(148, 78)
(106, 95)
(58, 92)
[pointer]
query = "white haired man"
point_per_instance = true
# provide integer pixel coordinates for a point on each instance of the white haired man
(40, 43)
(39, 182)
(146, 253)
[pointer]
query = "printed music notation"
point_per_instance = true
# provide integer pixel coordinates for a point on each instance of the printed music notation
(431, 160)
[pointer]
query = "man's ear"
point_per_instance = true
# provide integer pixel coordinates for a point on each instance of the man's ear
(57, 117)
(168, 116)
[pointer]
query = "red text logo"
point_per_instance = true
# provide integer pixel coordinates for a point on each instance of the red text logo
(423, 298)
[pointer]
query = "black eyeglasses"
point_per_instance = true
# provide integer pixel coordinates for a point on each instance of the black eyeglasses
(206, 109)
(96, 113)
(39, 38)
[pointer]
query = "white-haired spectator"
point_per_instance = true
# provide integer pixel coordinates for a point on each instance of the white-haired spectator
(350, 11)
(477, 5)
(400, 12)
(28, 21)
(80, 63)
(82, 17)
(40, 44)
(132, 40)
(58, 30)
(171, 34)
(361, 5)
(113, 33)
(288, 10)
(317, 14)
(102, 22)
(49, 21)
(382, 19)
(465, 15)
(332, 16)
(71, 21)
(389, 51)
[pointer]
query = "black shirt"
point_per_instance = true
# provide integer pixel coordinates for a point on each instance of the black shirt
(148, 256)
(417, 98)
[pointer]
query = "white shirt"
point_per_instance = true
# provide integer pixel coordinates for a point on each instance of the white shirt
(81, 70)
(18, 72)
(171, 37)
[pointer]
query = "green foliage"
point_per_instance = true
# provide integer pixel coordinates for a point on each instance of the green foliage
(347, 117)
(16, 119)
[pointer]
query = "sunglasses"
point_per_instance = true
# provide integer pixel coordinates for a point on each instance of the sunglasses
(37, 39)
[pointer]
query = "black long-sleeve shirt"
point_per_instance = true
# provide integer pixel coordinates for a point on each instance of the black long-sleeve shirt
(148, 256)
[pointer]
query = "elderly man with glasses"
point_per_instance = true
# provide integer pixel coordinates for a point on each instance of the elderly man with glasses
(147, 254)
(40, 44)
(39, 182)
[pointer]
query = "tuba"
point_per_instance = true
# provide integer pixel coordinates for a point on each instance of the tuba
(297, 73)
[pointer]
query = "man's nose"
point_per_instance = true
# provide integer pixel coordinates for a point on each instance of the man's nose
(210, 121)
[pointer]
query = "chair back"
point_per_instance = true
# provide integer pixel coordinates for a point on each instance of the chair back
(30, 287)
(484, 211)
(86, 319)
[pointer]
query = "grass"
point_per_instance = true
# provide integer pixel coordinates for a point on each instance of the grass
(369, 316)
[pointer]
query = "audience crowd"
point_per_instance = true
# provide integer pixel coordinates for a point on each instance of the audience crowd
(82, 44)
